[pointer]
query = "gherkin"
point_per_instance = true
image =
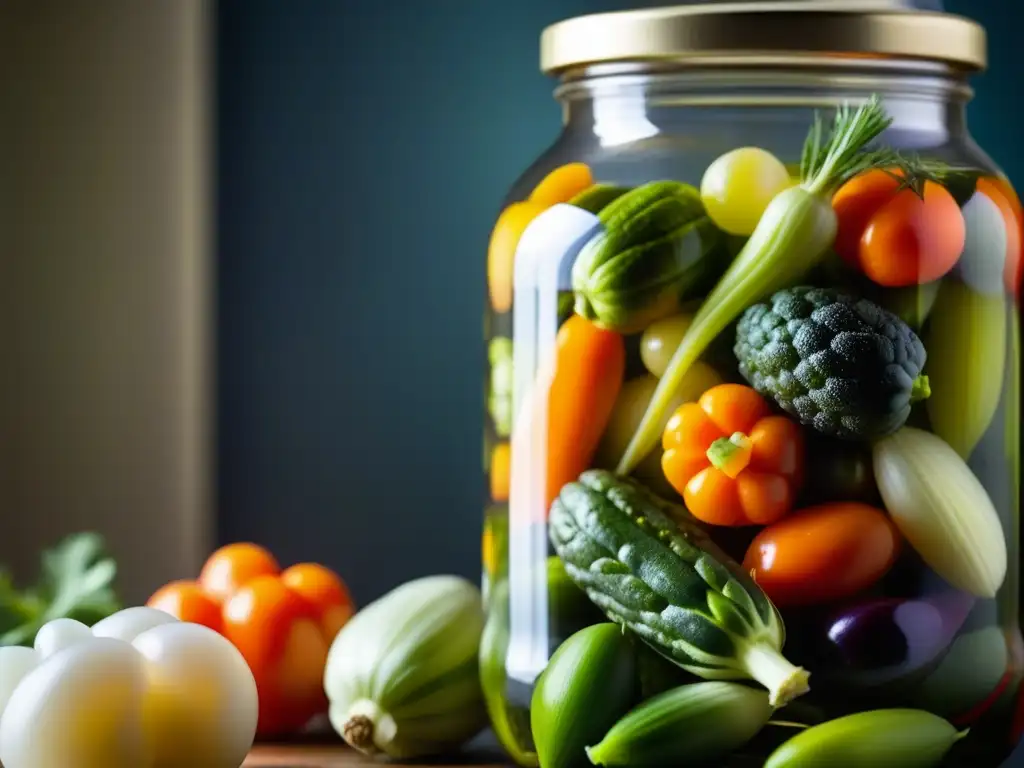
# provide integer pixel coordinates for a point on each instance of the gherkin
(650, 569)
(842, 365)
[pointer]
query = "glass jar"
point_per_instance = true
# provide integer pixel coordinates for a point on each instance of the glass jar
(837, 349)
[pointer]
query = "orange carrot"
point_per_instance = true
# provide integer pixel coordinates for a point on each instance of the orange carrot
(589, 367)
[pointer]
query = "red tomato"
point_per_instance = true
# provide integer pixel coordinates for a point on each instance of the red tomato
(233, 566)
(897, 238)
(823, 553)
(279, 634)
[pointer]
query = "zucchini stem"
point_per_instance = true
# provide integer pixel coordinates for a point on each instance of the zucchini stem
(367, 727)
(764, 663)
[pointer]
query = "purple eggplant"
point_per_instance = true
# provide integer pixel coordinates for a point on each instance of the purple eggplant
(884, 640)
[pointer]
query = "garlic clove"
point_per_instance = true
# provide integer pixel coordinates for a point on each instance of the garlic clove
(129, 623)
(59, 634)
(80, 708)
(15, 663)
(201, 706)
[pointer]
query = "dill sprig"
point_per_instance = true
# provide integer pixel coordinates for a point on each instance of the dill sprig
(829, 161)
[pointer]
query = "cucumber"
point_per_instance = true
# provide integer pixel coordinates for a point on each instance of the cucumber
(589, 683)
(686, 726)
(659, 574)
(657, 249)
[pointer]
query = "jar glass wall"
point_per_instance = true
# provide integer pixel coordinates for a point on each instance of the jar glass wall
(855, 447)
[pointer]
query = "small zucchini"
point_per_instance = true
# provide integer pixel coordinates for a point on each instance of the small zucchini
(908, 738)
(685, 726)
(589, 683)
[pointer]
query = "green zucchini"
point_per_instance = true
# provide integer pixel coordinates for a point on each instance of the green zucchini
(908, 738)
(670, 585)
(657, 249)
(589, 683)
(686, 726)
(966, 344)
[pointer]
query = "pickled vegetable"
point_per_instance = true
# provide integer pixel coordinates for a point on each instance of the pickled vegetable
(895, 235)
(823, 553)
(942, 509)
(878, 641)
(794, 233)
(562, 184)
(967, 354)
(739, 185)
(589, 683)
(686, 726)
(732, 460)
(499, 394)
(660, 340)
(907, 738)
(589, 367)
(664, 579)
(657, 248)
(841, 365)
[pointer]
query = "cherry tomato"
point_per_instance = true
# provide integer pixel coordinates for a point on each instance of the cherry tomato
(325, 591)
(279, 634)
(187, 601)
(232, 566)
(823, 553)
(897, 238)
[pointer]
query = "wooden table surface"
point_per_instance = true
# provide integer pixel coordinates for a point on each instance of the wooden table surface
(337, 755)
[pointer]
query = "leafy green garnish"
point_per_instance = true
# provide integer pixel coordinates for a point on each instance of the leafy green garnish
(75, 582)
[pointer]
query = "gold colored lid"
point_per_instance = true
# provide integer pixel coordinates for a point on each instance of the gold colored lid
(850, 29)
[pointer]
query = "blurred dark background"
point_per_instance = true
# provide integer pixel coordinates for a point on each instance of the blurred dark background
(363, 152)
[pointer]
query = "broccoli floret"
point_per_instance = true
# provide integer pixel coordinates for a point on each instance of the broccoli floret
(841, 365)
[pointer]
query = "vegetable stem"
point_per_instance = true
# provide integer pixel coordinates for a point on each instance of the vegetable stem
(368, 728)
(730, 455)
(770, 668)
(921, 389)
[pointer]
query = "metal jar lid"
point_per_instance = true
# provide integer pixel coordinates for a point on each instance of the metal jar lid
(852, 29)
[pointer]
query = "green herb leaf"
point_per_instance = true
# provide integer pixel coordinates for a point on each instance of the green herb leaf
(76, 582)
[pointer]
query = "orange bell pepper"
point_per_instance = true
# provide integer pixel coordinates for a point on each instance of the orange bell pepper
(282, 621)
(733, 462)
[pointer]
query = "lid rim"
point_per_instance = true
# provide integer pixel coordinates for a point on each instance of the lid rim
(680, 33)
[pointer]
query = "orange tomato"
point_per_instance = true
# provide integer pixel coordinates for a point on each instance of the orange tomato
(903, 239)
(1000, 192)
(279, 634)
(232, 566)
(501, 468)
(562, 184)
(322, 589)
(187, 601)
(823, 553)
(733, 462)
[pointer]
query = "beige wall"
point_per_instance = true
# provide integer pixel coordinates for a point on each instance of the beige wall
(105, 282)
